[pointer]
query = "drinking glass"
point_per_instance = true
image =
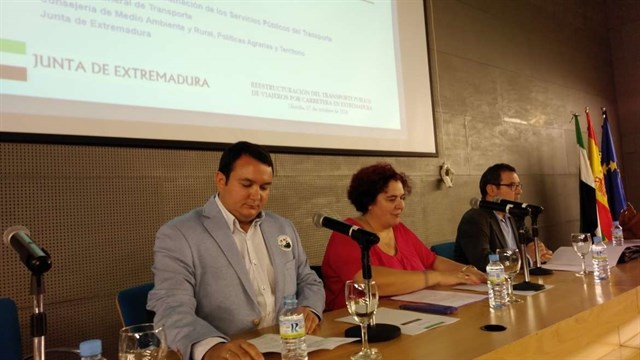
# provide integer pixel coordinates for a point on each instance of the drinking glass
(582, 245)
(362, 301)
(142, 342)
(510, 260)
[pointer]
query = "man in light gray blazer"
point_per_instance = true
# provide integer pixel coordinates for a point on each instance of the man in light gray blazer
(225, 268)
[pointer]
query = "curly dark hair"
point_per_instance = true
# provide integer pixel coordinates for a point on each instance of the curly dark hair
(370, 181)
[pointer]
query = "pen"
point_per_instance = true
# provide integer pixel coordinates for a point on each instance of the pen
(433, 325)
(410, 321)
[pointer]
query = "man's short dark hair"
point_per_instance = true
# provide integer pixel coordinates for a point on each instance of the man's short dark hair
(235, 151)
(370, 181)
(493, 175)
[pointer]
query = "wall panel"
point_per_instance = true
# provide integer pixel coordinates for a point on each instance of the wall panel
(96, 209)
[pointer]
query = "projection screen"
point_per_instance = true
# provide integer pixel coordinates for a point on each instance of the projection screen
(326, 76)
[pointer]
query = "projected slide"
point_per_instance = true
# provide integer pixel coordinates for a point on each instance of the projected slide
(214, 71)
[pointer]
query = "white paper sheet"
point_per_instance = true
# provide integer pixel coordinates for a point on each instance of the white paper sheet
(483, 288)
(450, 298)
(566, 259)
(272, 343)
(409, 322)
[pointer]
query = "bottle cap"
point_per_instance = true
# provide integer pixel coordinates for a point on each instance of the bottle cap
(493, 257)
(290, 300)
(91, 347)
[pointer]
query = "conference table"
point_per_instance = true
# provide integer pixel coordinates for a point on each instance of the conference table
(576, 318)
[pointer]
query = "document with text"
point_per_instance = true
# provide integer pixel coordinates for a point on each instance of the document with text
(272, 343)
(485, 289)
(566, 259)
(450, 298)
(409, 322)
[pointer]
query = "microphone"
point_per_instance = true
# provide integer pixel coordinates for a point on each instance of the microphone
(32, 256)
(365, 239)
(362, 236)
(535, 209)
(510, 209)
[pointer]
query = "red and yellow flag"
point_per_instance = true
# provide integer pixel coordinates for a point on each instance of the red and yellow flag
(604, 215)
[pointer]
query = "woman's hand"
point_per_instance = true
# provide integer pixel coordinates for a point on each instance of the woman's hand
(472, 271)
(456, 277)
(449, 272)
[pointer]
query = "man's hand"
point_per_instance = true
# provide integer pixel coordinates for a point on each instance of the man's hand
(311, 320)
(545, 254)
(233, 350)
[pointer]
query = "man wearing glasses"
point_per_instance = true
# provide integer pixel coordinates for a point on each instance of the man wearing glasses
(481, 231)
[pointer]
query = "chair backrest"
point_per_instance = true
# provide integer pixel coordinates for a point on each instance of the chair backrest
(444, 249)
(10, 344)
(132, 305)
(318, 270)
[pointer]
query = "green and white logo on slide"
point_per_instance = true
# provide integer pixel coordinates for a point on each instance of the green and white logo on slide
(13, 60)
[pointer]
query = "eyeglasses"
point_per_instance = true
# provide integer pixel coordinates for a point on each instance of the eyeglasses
(512, 186)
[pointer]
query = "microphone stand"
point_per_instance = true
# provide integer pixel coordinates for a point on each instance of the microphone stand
(38, 262)
(38, 267)
(38, 318)
(537, 270)
(366, 275)
(376, 332)
(526, 285)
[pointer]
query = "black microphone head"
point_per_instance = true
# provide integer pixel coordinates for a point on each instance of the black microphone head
(6, 237)
(317, 219)
(474, 202)
(534, 209)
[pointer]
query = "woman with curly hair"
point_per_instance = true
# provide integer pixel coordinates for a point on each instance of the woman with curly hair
(400, 262)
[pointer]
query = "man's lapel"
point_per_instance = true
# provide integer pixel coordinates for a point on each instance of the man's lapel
(215, 223)
(502, 240)
(275, 243)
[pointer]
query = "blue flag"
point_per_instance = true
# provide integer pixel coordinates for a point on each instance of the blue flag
(612, 180)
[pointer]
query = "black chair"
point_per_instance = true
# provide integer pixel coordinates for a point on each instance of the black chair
(132, 305)
(10, 339)
(445, 249)
(10, 330)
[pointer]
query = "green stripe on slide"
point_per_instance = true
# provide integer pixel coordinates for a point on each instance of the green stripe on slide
(12, 46)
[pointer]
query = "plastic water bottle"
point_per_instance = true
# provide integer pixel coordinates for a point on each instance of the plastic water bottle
(616, 234)
(600, 259)
(292, 331)
(91, 350)
(497, 283)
